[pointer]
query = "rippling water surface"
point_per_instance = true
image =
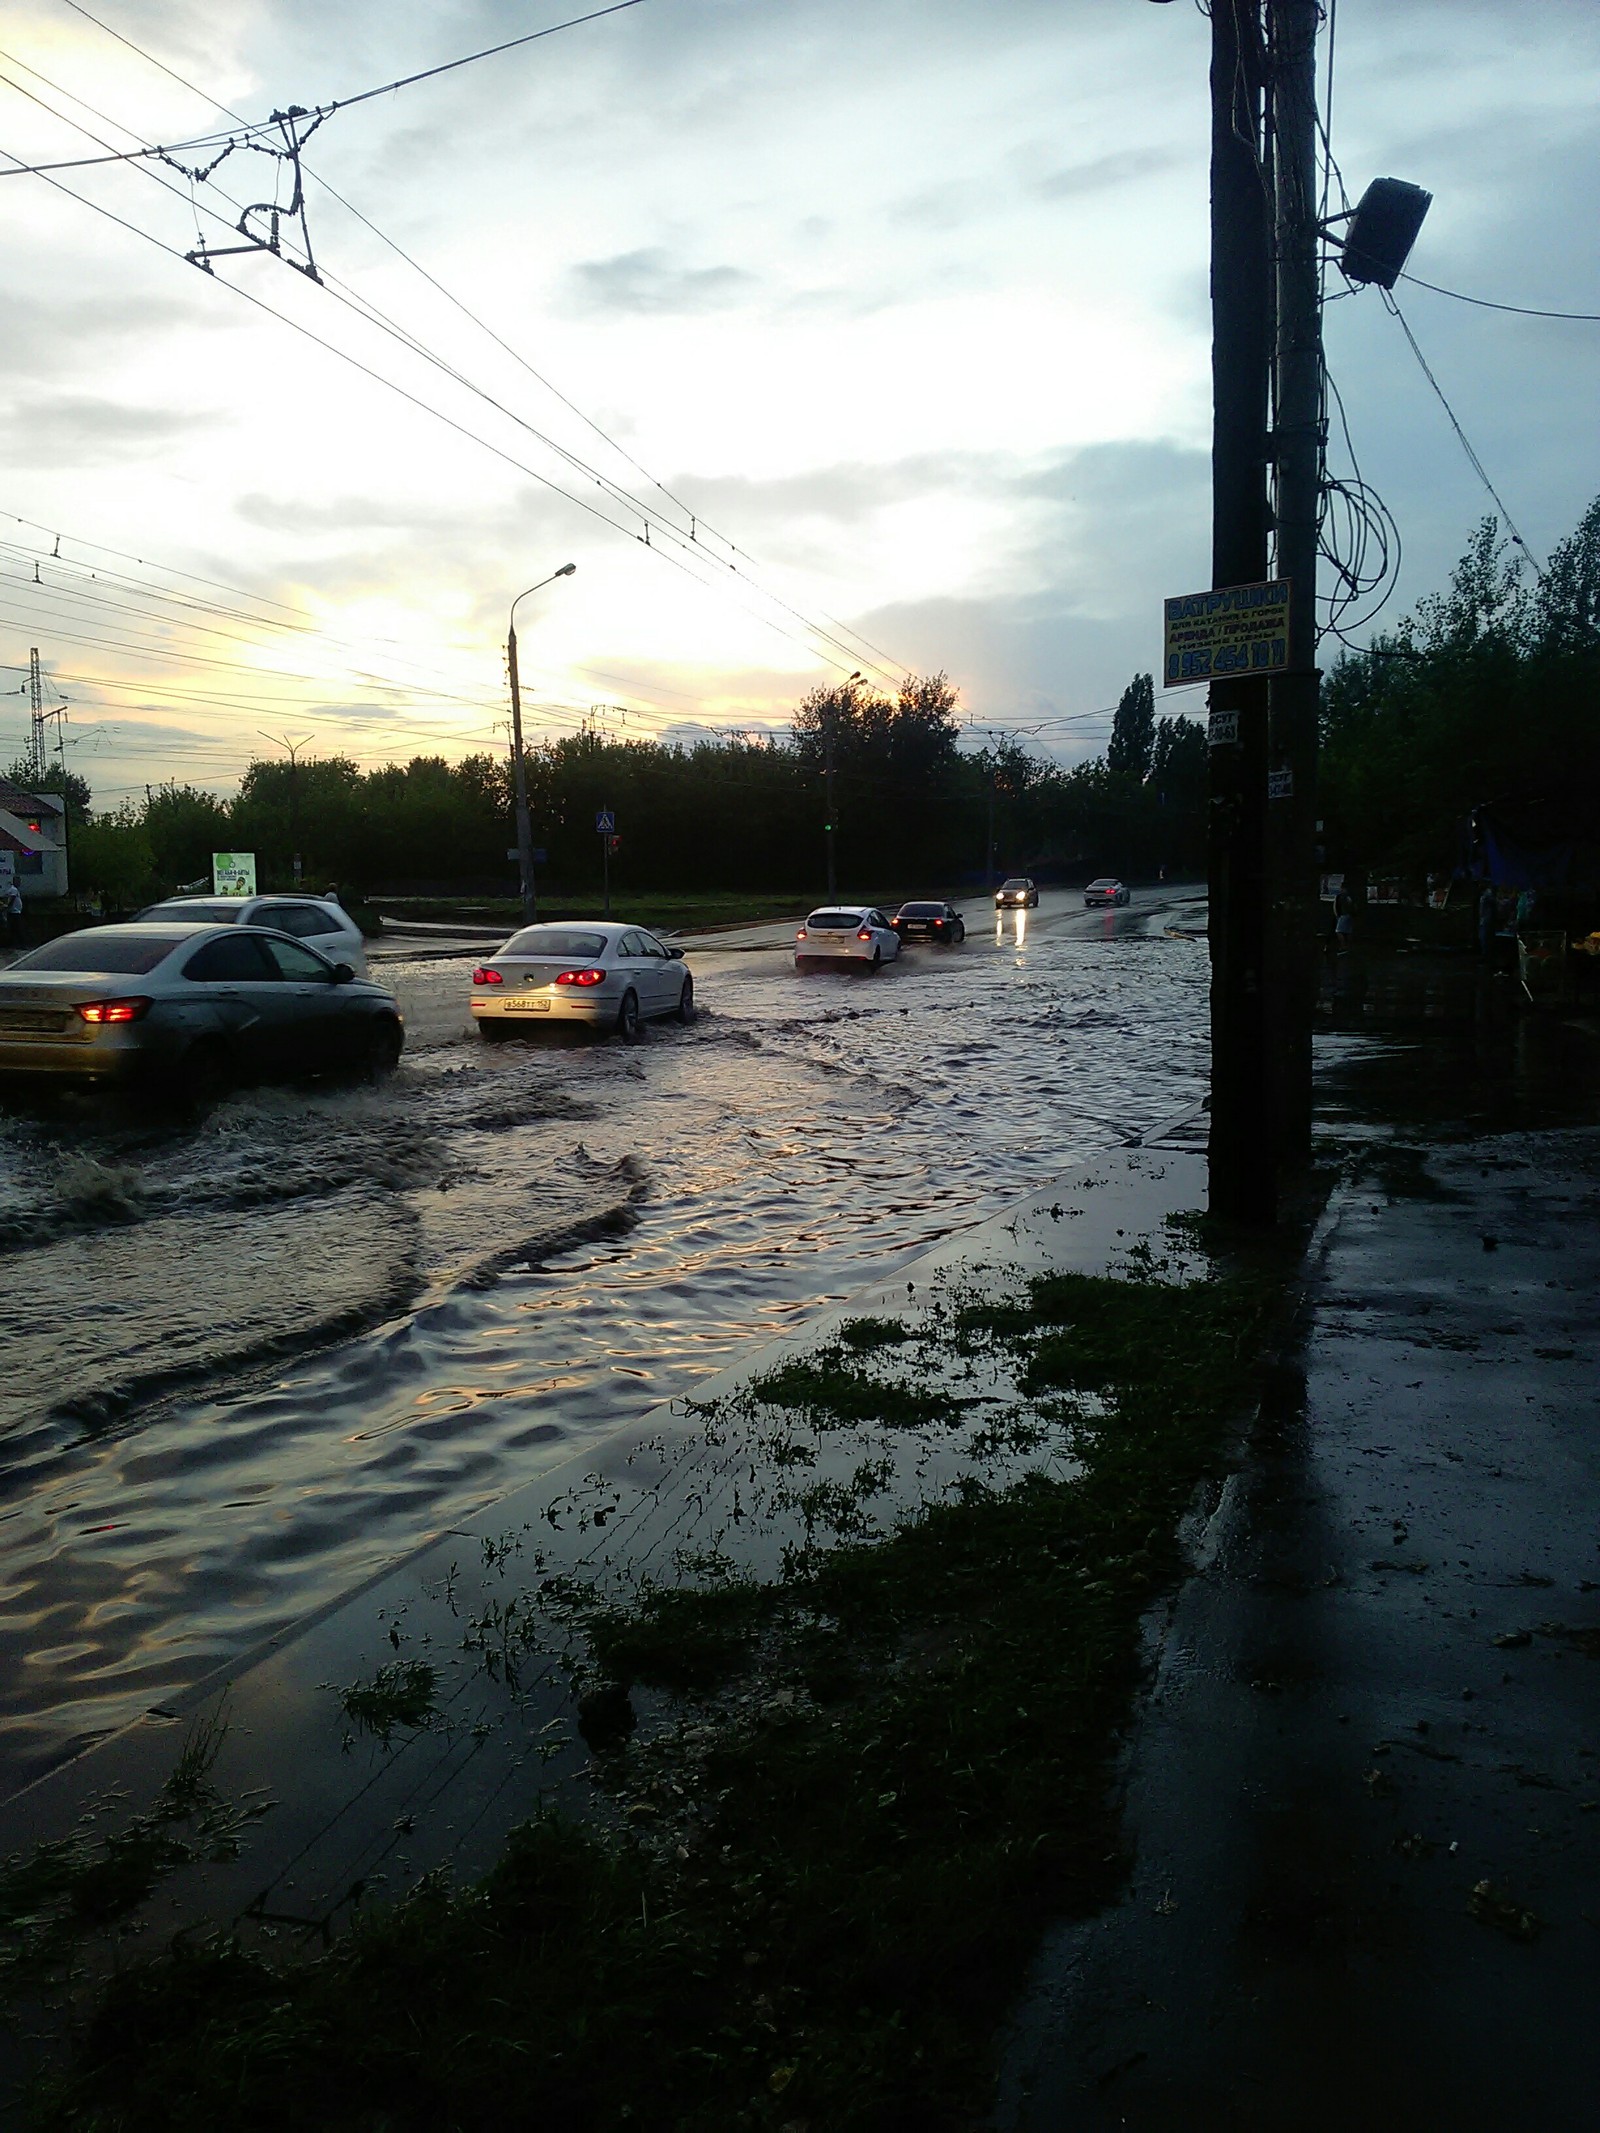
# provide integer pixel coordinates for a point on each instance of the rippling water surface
(247, 1365)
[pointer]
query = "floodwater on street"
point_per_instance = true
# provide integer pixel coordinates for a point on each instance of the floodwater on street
(253, 1360)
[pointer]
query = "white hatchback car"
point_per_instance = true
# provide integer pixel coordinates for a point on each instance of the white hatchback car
(612, 977)
(846, 933)
(319, 921)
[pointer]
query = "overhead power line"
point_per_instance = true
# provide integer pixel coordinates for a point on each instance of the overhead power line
(1484, 303)
(687, 540)
(1477, 464)
(318, 112)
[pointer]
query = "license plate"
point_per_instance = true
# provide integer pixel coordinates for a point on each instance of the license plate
(49, 1023)
(527, 1007)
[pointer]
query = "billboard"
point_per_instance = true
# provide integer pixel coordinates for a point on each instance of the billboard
(1235, 630)
(233, 873)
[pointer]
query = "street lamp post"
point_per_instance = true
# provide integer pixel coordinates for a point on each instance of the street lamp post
(530, 901)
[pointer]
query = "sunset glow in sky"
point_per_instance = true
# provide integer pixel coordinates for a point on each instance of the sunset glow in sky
(902, 305)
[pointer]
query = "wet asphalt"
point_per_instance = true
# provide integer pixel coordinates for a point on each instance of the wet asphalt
(1363, 1800)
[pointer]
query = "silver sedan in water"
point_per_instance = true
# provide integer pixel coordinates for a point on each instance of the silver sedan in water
(610, 977)
(185, 1009)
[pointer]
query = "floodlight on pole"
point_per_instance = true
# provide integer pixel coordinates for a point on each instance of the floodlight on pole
(530, 901)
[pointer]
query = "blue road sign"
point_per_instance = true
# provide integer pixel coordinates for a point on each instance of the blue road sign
(605, 822)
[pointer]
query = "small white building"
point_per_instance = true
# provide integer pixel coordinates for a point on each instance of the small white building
(33, 840)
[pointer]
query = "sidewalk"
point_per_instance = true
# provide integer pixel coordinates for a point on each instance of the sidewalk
(1365, 1792)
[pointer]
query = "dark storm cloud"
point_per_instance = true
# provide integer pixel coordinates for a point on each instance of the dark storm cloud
(77, 429)
(648, 281)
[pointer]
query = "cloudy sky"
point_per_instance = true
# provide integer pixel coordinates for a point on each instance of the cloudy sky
(886, 319)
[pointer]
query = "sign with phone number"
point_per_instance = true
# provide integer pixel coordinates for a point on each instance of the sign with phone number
(1234, 630)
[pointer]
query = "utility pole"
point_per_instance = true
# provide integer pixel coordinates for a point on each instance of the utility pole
(282, 741)
(36, 705)
(1242, 1169)
(994, 779)
(519, 771)
(1297, 457)
(530, 898)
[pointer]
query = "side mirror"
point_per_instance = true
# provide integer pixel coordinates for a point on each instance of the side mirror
(676, 954)
(342, 974)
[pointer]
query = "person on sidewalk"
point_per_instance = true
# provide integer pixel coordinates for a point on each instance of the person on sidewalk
(1344, 921)
(13, 915)
(1488, 920)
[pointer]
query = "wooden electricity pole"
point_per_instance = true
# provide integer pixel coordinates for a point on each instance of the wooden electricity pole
(1297, 460)
(1242, 1164)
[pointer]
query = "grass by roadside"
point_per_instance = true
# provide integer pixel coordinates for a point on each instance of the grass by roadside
(810, 1889)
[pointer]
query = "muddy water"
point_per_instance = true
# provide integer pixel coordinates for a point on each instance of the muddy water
(248, 1364)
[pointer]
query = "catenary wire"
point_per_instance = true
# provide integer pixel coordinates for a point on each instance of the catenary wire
(353, 298)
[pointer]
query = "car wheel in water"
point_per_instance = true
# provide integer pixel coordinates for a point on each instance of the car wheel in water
(628, 1018)
(202, 1077)
(961, 934)
(877, 958)
(492, 1032)
(383, 1048)
(686, 1000)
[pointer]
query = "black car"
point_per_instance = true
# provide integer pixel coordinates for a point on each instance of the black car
(930, 922)
(1016, 894)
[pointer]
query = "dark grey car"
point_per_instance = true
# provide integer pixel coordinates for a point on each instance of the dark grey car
(184, 1009)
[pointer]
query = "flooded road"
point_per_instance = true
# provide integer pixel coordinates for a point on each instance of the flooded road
(250, 1363)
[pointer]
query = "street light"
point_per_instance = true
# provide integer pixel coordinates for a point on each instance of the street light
(530, 901)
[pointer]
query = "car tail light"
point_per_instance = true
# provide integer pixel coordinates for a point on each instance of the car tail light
(486, 976)
(800, 936)
(114, 1010)
(865, 934)
(581, 977)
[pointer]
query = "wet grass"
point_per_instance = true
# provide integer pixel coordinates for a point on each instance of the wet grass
(885, 1770)
(112, 1863)
(399, 1695)
(832, 1390)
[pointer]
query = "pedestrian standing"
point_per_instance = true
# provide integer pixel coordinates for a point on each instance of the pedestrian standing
(1488, 920)
(13, 914)
(1344, 920)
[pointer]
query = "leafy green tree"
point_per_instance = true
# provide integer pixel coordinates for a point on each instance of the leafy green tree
(69, 784)
(1133, 729)
(112, 856)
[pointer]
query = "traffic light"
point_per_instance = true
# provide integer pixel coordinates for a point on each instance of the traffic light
(614, 844)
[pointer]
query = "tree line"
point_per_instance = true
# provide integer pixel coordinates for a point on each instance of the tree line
(912, 809)
(1478, 708)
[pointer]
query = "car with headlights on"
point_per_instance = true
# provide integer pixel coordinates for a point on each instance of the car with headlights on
(610, 977)
(185, 1009)
(854, 934)
(321, 921)
(1106, 893)
(1017, 894)
(930, 922)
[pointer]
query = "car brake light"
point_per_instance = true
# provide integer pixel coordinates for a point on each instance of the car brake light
(800, 936)
(114, 1010)
(486, 976)
(865, 934)
(581, 977)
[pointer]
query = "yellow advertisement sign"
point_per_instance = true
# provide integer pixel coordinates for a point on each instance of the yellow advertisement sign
(1232, 631)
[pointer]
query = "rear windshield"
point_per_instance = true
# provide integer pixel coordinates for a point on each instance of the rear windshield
(833, 921)
(1017, 881)
(922, 910)
(113, 953)
(562, 942)
(1105, 883)
(203, 910)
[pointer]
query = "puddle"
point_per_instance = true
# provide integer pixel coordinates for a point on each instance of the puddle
(538, 1245)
